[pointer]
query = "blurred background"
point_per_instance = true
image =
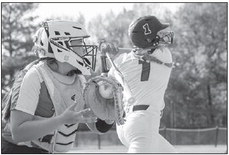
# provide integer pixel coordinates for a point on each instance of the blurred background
(196, 98)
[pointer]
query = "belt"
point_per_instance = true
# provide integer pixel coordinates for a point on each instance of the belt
(140, 107)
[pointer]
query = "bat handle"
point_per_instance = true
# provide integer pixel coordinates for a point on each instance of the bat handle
(104, 64)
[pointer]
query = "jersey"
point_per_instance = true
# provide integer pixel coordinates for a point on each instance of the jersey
(33, 102)
(64, 91)
(35, 98)
(43, 105)
(145, 81)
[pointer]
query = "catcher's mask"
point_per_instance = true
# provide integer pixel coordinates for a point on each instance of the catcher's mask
(64, 41)
(147, 32)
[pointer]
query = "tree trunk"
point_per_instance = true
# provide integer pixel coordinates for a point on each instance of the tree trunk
(210, 113)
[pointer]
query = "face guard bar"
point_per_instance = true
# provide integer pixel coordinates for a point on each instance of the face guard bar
(89, 57)
(90, 51)
(166, 37)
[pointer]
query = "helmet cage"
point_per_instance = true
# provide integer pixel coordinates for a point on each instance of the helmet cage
(88, 59)
(56, 40)
(166, 37)
(162, 38)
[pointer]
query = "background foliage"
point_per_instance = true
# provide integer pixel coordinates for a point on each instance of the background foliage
(197, 93)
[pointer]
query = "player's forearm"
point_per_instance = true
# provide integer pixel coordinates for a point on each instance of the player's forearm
(35, 129)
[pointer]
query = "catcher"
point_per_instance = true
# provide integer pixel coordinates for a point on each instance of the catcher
(46, 103)
(144, 74)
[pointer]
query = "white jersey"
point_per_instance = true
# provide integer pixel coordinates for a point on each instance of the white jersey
(46, 93)
(146, 81)
(32, 102)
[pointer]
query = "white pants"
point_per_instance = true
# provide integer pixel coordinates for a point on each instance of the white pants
(140, 133)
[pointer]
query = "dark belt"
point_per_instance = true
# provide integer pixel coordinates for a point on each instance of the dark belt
(140, 107)
(137, 107)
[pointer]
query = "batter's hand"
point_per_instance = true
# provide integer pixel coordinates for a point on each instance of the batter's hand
(108, 47)
(70, 116)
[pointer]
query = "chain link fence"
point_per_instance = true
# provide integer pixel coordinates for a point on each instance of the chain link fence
(207, 136)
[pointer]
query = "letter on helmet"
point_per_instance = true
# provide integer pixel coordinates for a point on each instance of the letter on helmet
(145, 32)
(54, 39)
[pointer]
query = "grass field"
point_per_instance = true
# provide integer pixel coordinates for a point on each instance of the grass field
(180, 149)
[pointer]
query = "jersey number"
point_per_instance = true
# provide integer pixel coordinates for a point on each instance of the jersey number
(145, 70)
(147, 29)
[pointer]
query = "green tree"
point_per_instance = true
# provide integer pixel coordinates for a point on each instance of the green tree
(198, 86)
(114, 27)
(17, 30)
(110, 27)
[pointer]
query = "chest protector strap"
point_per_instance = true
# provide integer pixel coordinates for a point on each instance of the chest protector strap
(64, 137)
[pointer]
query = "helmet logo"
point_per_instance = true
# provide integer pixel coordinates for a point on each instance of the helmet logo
(146, 29)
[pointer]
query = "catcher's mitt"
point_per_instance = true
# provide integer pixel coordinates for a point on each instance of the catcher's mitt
(105, 109)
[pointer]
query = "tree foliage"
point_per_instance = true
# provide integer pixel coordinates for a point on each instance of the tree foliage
(17, 29)
(197, 92)
(201, 79)
(196, 95)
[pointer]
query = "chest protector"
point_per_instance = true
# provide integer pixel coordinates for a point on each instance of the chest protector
(63, 91)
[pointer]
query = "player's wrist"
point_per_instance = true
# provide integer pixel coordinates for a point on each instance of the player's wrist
(62, 119)
(109, 121)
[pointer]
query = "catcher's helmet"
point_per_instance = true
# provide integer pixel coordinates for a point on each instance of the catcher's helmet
(145, 32)
(56, 39)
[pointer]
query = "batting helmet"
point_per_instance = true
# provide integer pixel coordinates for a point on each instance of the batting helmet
(144, 32)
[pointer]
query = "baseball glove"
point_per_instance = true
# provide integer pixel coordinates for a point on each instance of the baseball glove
(104, 108)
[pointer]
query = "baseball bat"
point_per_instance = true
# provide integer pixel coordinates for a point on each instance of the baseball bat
(124, 50)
